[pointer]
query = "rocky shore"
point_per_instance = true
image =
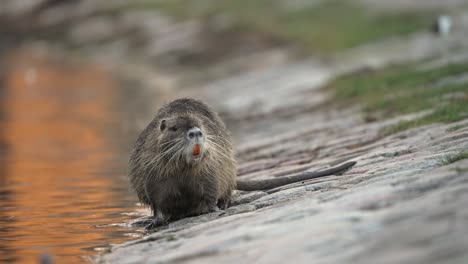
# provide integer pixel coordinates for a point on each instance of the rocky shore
(404, 201)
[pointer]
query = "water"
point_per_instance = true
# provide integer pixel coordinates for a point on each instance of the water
(62, 161)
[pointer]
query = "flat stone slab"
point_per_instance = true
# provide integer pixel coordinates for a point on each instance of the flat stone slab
(399, 204)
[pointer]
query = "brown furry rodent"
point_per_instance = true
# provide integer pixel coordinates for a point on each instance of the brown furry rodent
(183, 163)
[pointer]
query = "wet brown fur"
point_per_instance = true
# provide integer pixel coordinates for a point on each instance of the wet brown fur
(175, 189)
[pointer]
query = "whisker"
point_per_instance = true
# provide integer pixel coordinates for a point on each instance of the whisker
(217, 151)
(157, 160)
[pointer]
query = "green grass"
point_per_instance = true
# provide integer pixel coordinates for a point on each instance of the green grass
(171, 238)
(449, 113)
(405, 89)
(460, 170)
(325, 27)
(454, 158)
(456, 127)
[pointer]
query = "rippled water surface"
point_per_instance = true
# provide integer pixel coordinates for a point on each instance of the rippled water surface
(62, 161)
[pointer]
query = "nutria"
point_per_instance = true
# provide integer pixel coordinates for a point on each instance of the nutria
(183, 163)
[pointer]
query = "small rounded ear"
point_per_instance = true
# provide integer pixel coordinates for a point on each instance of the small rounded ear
(162, 126)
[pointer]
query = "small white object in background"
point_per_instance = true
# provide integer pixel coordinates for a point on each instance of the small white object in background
(443, 26)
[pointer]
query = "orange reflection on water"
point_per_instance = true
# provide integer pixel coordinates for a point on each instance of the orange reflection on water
(58, 164)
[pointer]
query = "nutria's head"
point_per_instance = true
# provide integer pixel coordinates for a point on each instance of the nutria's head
(182, 138)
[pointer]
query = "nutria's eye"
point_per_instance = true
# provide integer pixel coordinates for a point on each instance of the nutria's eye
(163, 125)
(174, 129)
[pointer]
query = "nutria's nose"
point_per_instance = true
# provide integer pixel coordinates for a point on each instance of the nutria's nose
(194, 133)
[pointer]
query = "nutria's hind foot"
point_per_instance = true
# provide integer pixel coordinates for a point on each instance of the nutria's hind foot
(212, 209)
(204, 208)
(155, 223)
(223, 204)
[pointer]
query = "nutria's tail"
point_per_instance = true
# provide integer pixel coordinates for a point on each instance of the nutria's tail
(257, 185)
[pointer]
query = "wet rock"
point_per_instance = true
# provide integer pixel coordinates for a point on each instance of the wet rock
(360, 226)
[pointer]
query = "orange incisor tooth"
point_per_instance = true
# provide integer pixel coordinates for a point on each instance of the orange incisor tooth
(196, 150)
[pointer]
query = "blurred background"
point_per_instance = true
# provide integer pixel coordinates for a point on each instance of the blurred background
(80, 78)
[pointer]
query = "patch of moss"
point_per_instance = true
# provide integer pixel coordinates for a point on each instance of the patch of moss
(454, 158)
(460, 170)
(456, 127)
(171, 238)
(405, 89)
(451, 112)
(324, 27)
(385, 90)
